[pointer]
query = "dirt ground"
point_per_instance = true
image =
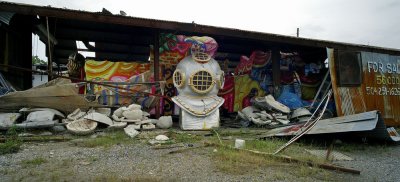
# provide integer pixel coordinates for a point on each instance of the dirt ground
(186, 159)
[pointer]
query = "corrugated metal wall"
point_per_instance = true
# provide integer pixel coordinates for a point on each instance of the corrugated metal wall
(379, 88)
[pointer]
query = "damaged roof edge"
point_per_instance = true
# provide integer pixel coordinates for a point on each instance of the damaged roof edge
(183, 27)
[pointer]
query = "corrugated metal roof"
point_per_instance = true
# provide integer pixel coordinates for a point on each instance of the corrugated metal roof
(5, 17)
(183, 27)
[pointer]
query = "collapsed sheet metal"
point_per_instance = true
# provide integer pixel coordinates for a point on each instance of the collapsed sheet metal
(368, 124)
(59, 94)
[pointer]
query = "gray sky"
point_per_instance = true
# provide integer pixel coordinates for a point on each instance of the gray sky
(369, 22)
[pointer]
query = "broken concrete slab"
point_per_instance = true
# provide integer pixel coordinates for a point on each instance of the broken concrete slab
(135, 126)
(103, 110)
(130, 120)
(56, 112)
(118, 112)
(164, 122)
(82, 126)
(115, 117)
(77, 114)
(148, 126)
(130, 131)
(133, 114)
(40, 116)
(132, 107)
(8, 119)
(144, 121)
(101, 118)
(117, 125)
(161, 138)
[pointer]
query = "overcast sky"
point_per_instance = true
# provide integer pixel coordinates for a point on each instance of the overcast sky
(369, 22)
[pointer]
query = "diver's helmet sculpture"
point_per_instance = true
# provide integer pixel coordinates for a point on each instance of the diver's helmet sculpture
(198, 77)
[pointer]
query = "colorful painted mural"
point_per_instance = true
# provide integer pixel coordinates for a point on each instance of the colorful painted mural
(245, 89)
(104, 71)
(228, 93)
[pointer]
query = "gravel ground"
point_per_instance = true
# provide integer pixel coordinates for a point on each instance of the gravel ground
(377, 163)
(138, 161)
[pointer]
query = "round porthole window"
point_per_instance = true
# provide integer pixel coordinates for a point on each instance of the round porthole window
(178, 78)
(201, 57)
(201, 81)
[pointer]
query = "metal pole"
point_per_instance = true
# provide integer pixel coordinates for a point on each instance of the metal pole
(298, 30)
(50, 60)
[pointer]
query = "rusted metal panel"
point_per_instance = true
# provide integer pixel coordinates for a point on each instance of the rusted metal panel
(379, 90)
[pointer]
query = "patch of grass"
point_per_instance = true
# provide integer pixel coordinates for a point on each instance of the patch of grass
(184, 137)
(242, 132)
(110, 139)
(306, 172)
(12, 144)
(352, 147)
(268, 146)
(93, 159)
(239, 162)
(112, 177)
(65, 162)
(7, 171)
(279, 176)
(33, 162)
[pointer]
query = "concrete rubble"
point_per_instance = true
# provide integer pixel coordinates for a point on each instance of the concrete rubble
(84, 121)
(266, 111)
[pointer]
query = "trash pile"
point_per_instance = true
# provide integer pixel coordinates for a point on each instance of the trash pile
(266, 111)
(79, 122)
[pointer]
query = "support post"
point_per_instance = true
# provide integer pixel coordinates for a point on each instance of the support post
(50, 59)
(156, 66)
(276, 72)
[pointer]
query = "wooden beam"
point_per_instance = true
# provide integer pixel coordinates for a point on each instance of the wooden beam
(99, 36)
(156, 49)
(111, 47)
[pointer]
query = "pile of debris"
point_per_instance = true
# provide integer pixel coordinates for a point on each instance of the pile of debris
(266, 111)
(79, 122)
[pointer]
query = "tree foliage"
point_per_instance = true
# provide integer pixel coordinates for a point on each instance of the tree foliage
(37, 61)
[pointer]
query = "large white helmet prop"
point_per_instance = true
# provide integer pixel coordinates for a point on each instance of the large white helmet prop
(198, 77)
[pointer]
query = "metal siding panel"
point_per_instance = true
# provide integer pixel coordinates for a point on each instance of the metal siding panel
(353, 100)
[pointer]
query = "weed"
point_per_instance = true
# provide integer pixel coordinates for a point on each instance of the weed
(55, 176)
(10, 146)
(13, 142)
(93, 159)
(108, 140)
(7, 171)
(33, 162)
(65, 162)
(184, 137)
(113, 177)
(279, 176)
(239, 162)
